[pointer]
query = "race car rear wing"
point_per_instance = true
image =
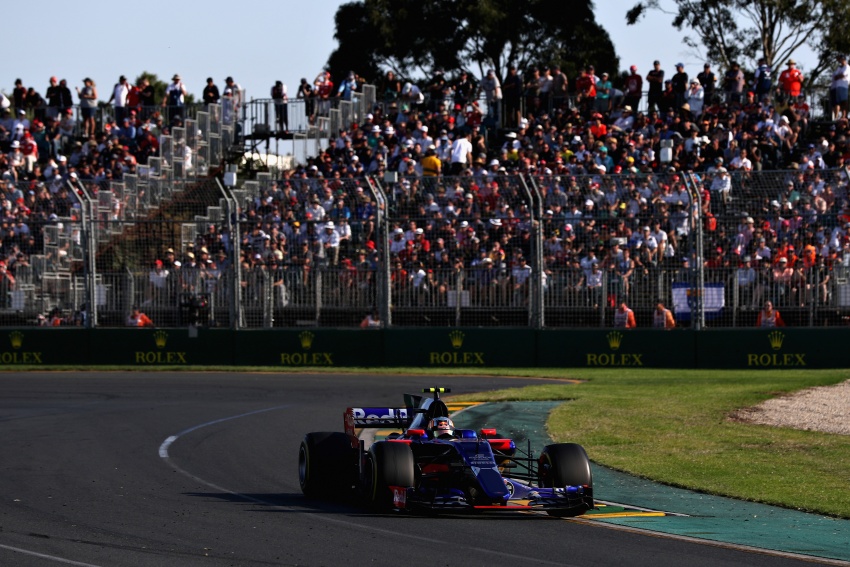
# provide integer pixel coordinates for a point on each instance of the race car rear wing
(361, 418)
(398, 418)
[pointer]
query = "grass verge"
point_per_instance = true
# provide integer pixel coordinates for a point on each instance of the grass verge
(672, 427)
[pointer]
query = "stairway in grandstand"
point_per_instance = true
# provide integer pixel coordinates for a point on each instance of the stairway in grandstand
(177, 184)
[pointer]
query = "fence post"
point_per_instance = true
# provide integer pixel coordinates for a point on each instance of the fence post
(535, 201)
(382, 227)
(698, 270)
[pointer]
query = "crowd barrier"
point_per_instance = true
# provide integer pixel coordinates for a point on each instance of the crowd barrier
(257, 257)
(447, 348)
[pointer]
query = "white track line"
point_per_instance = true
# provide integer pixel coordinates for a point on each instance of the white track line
(48, 557)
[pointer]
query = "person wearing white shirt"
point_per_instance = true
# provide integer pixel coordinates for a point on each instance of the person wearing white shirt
(838, 88)
(461, 154)
(696, 98)
(330, 242)
(722, 184)
(665, 250)
(120, 92)
(742, 162)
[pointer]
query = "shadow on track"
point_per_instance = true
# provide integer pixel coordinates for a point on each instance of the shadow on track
(297, 503)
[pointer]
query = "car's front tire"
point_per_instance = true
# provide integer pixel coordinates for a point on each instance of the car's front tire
(566, 464)
(387, 464)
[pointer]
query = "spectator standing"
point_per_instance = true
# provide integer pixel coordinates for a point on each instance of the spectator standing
(512, 88)
(603, 94)
(120, 92)
(324, 88)
(464, 89)
(763, 80)
(158, 278)
(745, 278)
(708, 80)
(52, 97)
(655, 78)
(19, 95)
(146, 97)
(238, 96)
(560, 88)
(390, 88)
(838, 89)
(330, 243)
(695, 97)
(662, 318)
(680, 85)
(733, 84)
(492, 89)
(586, 92)
(791, 80)
(461, 153)
(64, 99)
(281, 100)
(305, 93)
(347, 87)
(634, 88)
(88, 106)
(211, 94)
(174, 97)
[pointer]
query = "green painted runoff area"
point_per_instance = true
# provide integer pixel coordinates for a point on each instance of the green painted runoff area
(706, 517)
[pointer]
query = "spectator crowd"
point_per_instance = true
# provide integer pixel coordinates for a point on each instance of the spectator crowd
(622, 165)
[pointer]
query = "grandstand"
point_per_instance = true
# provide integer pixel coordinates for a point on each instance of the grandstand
(555, 221)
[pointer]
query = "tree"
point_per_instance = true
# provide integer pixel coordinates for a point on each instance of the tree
(413, 38)
(744, 30)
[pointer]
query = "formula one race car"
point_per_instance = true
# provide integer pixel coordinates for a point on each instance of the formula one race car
(433, 466)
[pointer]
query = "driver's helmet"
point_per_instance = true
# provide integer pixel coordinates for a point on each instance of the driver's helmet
(441, 426)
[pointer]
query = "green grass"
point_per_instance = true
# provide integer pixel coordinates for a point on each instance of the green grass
(672, 426)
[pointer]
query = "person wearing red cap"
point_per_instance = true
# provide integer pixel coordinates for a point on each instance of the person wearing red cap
(158, 278)
(634, 88)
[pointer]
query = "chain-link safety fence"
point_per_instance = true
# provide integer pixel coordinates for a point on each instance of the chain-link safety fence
(482, 249)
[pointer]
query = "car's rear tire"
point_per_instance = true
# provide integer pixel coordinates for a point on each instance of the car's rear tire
(566, 464)
(387, 464)
(326, 463)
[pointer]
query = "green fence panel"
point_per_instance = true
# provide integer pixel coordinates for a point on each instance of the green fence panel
(461, 347)
(774, 348)
(615, 348)
(309, 347)
(154, 347)
(47, 346)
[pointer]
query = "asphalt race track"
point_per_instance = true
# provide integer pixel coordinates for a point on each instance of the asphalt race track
(161, 469)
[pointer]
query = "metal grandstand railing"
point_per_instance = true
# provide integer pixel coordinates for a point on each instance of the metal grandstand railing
(506, 250)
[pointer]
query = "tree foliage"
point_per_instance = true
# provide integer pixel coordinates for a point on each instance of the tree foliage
(414, 38)
(726, 31)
